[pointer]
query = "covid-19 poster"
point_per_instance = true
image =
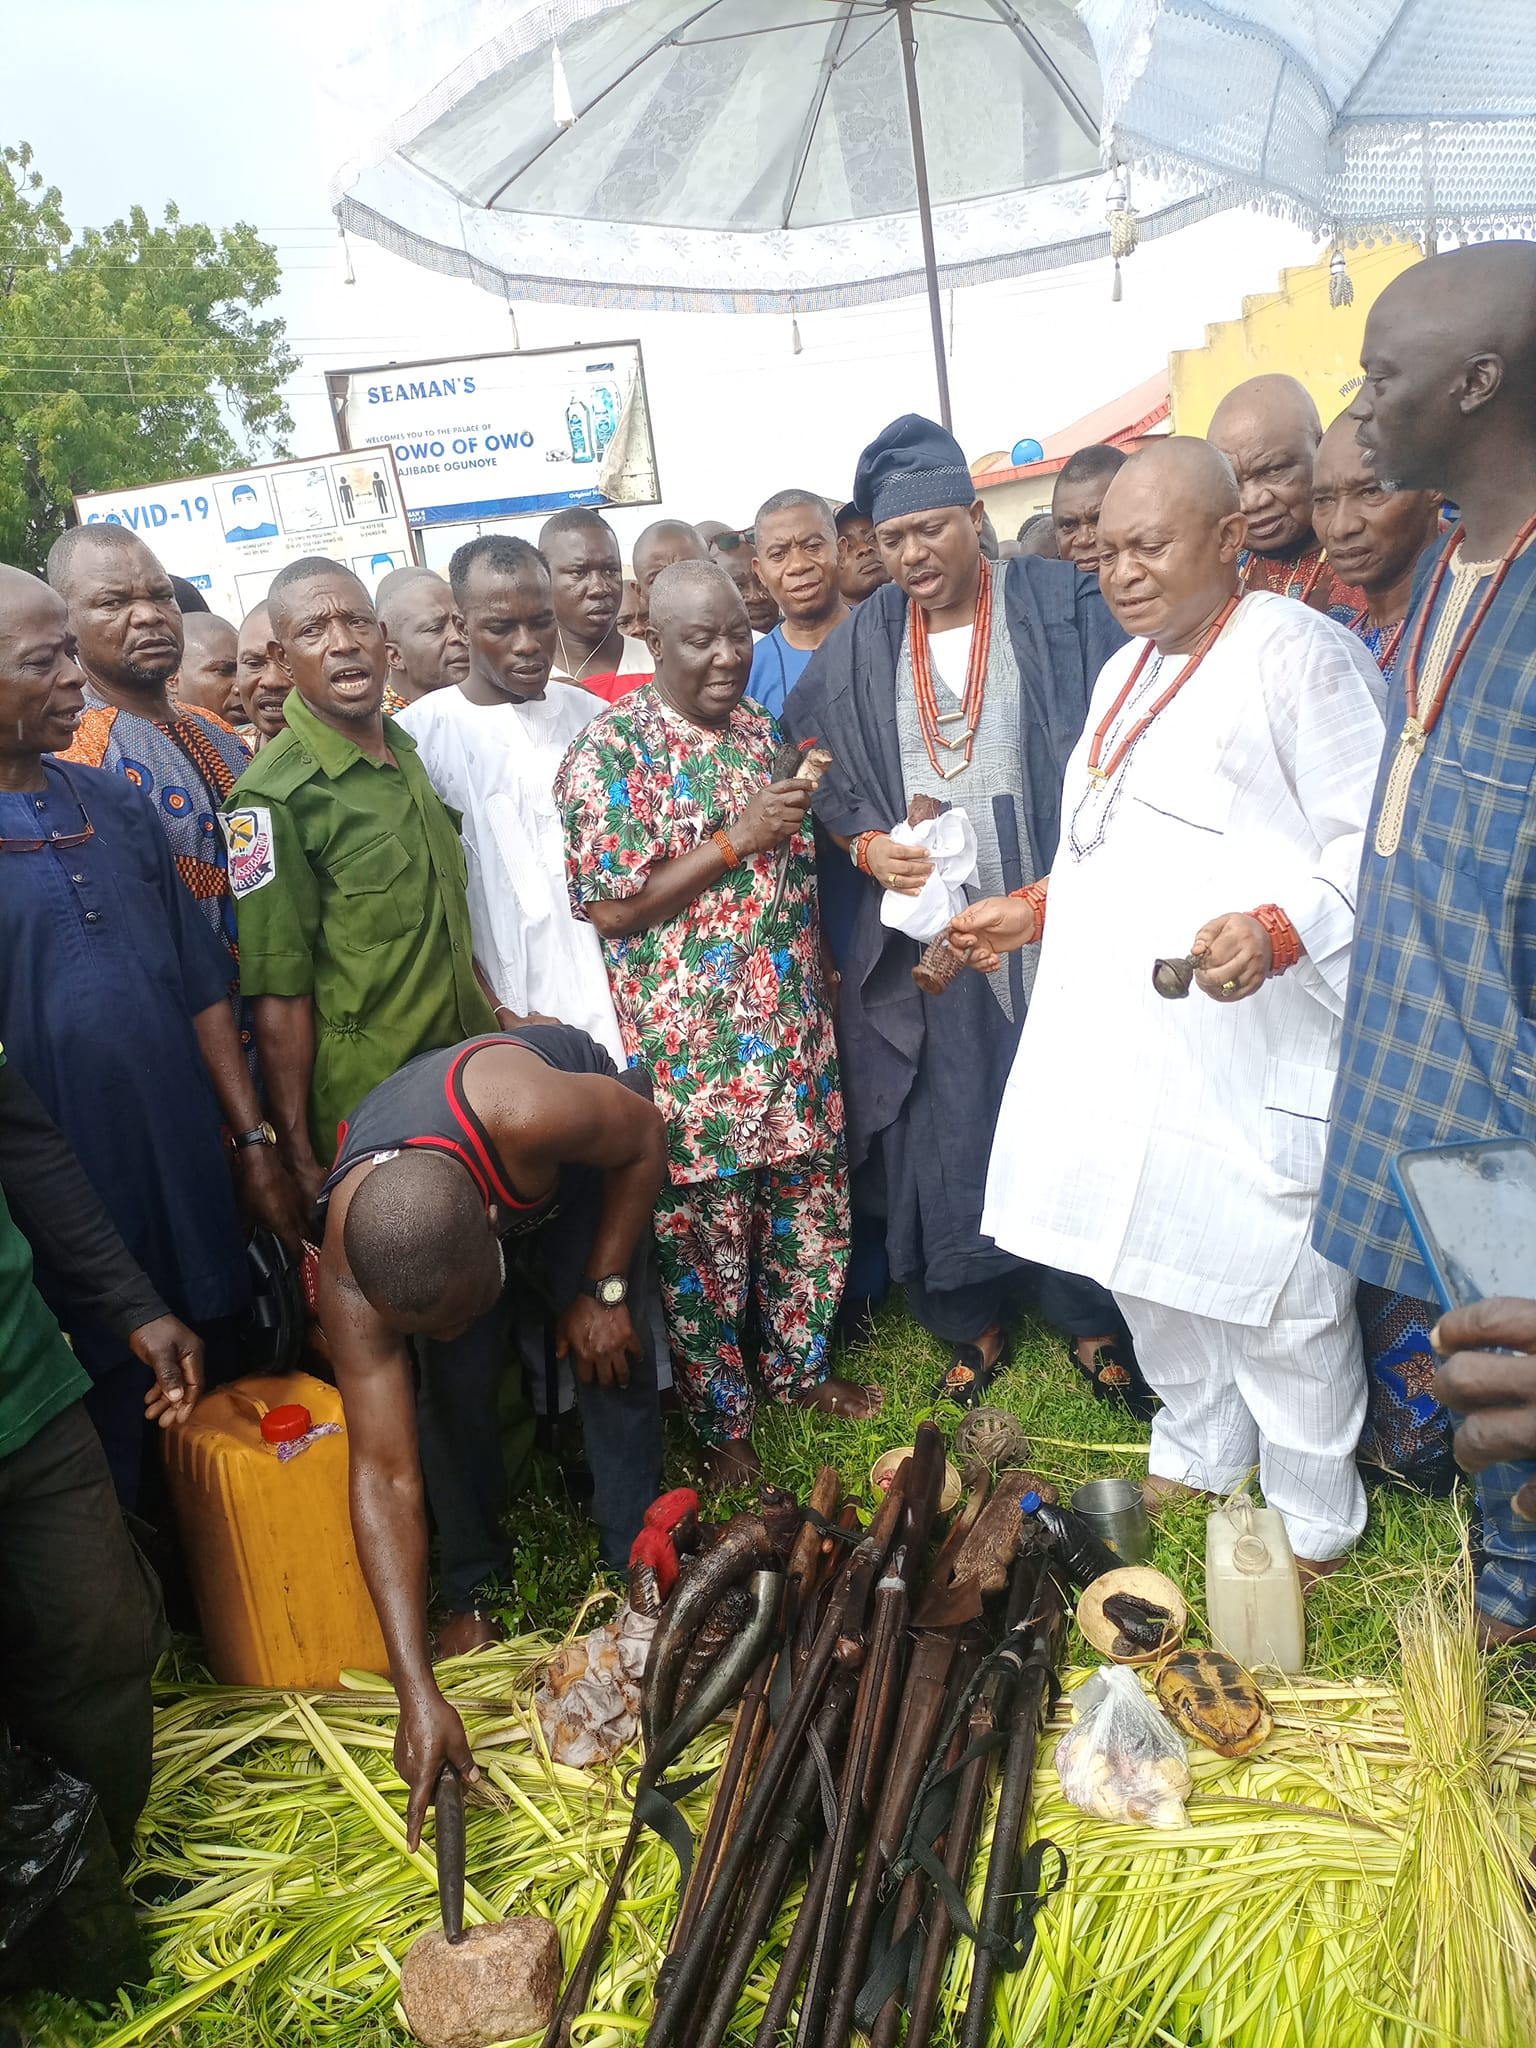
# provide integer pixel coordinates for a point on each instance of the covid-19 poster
(229, 535)
(498, 437)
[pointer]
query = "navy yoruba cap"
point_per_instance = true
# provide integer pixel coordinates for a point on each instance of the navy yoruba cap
(913, 465)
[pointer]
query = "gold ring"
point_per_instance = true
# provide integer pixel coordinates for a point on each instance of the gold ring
(1227, 987)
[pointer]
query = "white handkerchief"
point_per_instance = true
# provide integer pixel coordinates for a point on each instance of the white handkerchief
(951, 839)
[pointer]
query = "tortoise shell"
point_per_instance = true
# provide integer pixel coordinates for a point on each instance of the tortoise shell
(992, 1437)
(1211, 1697)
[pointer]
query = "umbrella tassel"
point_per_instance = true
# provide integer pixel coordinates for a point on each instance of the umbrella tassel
(1124, 233)
(795, 344)
(565, 106)
(1341, 286)
(346, 258)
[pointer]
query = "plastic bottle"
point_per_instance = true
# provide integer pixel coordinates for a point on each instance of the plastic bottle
(578, 425)
(1253, 1594)
(604, 402)
(258, 1474)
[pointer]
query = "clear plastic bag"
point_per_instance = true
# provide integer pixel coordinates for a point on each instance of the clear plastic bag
(1120, 1759)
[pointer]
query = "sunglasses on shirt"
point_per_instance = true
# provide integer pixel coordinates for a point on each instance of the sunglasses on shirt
(58, 840)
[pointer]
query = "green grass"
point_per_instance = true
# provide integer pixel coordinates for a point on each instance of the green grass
(1072, 1437)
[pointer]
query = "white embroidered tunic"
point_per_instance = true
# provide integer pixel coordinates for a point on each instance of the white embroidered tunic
(1173, 1150)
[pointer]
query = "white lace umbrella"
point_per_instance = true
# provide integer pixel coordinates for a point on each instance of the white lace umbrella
(1349, 116)
(738, 155)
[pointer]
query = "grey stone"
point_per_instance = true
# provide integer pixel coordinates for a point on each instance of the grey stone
(501, 1981)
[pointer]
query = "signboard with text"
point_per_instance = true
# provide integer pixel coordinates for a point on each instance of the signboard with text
(498, 437)
(229, 535)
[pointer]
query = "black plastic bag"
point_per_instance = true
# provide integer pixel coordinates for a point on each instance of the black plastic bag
(43, 1818)
(66, 1923)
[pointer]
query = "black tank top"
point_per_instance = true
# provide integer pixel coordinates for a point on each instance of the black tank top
(423, 1108)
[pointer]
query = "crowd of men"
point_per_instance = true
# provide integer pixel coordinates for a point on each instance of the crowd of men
(486, 933)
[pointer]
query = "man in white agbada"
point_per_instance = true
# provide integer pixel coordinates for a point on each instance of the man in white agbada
(492, 747)
(1215, 806)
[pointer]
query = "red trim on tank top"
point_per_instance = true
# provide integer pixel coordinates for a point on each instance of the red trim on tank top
(470, 1124)
(454, 1150)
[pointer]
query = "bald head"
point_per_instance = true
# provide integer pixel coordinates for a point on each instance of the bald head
(1373, 536)
(661, 544)
(78, 546)
(41, 688)
(1279, 403)
(701, 640)
(1194, 474)
(1169, 536)
(24, 600)
(330, 647)
(123, 612)
(207, 678)
(260, 680)
(682, 588)
(423, 631)
(392, 588)
(1268, 429)
(420, 1243)
(1449, 398)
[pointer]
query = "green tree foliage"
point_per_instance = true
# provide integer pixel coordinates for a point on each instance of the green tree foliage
(128, 355)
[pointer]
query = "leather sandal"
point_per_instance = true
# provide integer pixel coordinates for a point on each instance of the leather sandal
(968, 1378)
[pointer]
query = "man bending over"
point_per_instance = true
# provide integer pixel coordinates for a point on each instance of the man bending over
(474, 1180)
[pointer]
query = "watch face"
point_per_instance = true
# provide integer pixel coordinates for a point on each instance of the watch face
(611, 1292)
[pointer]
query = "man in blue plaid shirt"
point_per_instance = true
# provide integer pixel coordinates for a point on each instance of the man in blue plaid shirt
(1440, 1031)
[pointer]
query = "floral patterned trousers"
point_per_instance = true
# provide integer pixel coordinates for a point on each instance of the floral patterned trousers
(775, 1236)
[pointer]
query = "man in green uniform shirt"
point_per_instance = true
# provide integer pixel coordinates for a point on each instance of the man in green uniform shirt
(348, 877)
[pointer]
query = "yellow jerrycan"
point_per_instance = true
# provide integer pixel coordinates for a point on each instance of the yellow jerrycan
(258, 1475)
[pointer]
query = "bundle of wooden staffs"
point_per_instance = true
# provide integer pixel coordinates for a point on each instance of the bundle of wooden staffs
(871, 1719)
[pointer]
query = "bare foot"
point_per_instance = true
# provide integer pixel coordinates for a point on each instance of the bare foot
(1495, 1635)
(1310, 1569)
(844, 1398)
(1166, 1493)
(970, 1370)
(990, 1345)
(1088, 1349)
(467, 1629)
(731, 1464)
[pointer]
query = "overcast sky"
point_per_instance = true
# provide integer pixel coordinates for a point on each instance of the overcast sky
(219, 109)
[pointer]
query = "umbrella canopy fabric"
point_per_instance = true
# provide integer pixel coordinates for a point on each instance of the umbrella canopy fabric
(747, 155)
(1356, 116)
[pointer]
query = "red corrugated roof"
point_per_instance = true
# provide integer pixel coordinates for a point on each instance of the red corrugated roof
(1124, 419)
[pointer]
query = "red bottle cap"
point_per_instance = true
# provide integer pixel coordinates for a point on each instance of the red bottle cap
(287, 1424)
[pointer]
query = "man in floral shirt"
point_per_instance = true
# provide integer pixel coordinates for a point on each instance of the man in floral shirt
(676, 838)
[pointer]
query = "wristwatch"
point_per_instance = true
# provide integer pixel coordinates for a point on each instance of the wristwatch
(261, 1134)
(612, 1291)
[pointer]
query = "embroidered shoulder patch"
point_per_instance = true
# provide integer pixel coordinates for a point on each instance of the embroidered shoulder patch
(252, 860)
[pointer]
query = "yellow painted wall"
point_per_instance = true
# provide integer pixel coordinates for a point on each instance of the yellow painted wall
(1011, 504)
(1294, 330)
